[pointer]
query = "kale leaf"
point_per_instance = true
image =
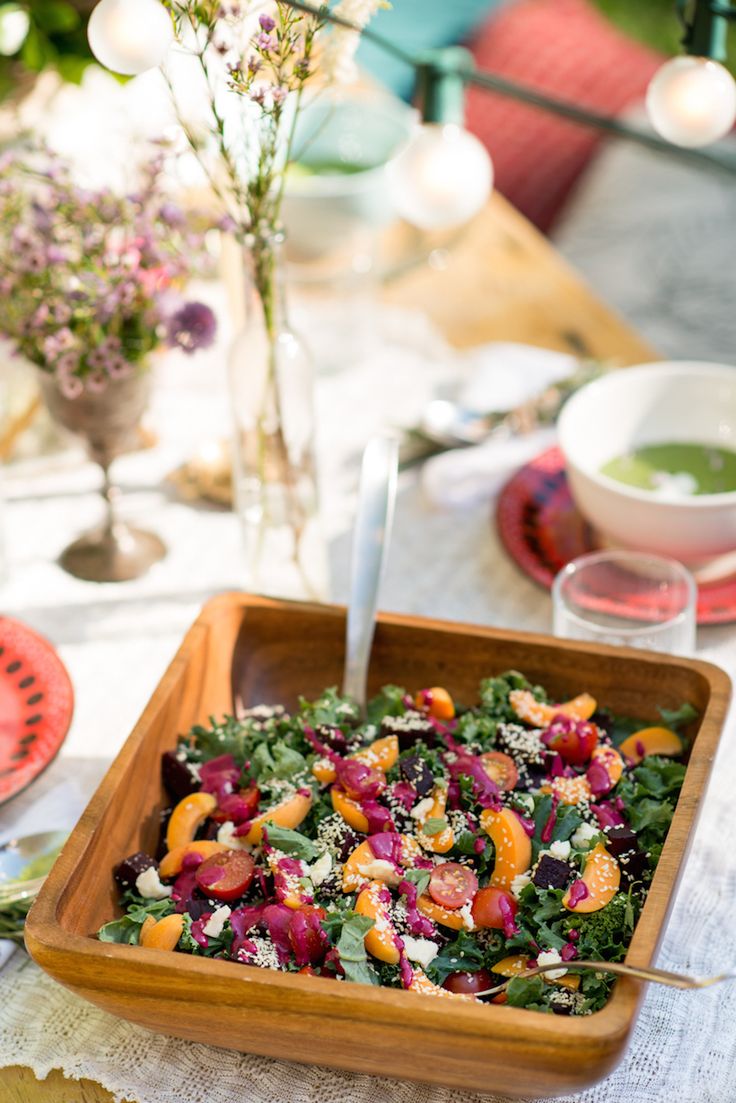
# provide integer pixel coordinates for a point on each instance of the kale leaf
(463, 955)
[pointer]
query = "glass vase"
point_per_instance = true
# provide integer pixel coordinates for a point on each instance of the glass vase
(107, 422)
(274, 469)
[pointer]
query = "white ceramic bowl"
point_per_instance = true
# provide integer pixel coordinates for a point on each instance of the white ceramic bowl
(322, 209)
(669, 402)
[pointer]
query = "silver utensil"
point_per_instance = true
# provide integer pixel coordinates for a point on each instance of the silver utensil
(17, 855)
(371, 537)
(654, 976)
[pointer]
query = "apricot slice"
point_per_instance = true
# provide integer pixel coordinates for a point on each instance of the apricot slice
(535, 712)
(380, 755)
(601, 877)
(651, 741)
(610, 760)
(513, 846)
(380, 941)
(324, 771)
(421, 983)
(286, 882)
(163, 935)
(172, 863)
(289, 813)
(187, 816)
(517, 963)
(570, 790)
(427, 906)
(362, 865)
(148, 924)
(444, 840)
(437, 702)
(349, 809)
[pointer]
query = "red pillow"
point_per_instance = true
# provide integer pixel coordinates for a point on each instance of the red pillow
(566, 48)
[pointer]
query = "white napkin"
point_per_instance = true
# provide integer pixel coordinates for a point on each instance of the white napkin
(503, 375)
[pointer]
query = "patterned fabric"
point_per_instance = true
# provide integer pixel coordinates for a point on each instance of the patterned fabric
(567, 49)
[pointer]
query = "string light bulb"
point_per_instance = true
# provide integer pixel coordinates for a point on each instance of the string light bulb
(130, 36)
(443, 176)
(692, 101)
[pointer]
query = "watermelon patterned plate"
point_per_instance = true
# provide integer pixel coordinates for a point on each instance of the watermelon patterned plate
(542, 530)
(36, 705)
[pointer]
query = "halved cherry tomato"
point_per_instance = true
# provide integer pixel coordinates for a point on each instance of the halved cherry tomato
(500, 768)
(576, 745)
(309, 971)
(469, 983)
(227, 875)
(452, 885)
(486, 909)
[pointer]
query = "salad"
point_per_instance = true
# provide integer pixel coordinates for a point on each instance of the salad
(428, 846)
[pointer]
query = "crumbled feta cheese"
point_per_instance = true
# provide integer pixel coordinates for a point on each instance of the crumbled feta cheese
(519, 883)
(583, 835)
(226, 835)
(379, 870)
(551, 957)
(148, 884)
(215, 923)
(560, 850)
(320, 869)
(423, 809)
(467, 917)
(420, 950)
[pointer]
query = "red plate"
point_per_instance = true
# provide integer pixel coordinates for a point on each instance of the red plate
(36, 705)
(541, 529)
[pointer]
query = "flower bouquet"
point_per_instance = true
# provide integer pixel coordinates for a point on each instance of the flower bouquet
(90, 287)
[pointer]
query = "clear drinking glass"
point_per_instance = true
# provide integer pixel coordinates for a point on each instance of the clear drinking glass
(629, 599)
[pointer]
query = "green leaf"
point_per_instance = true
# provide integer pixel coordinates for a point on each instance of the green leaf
(55, 16)
(331, 708)
(523, 991)
(351, 948)
(127, 928)
(463, 955)
(388, 702)
(418, 877)
(679, 718)
(291, 842)
(435, 825)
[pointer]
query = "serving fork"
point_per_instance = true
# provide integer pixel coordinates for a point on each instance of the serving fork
(638, 972)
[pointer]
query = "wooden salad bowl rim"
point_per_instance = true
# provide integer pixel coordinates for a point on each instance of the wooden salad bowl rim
(402, 1034)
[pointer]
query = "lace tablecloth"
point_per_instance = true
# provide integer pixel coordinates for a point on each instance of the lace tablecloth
(117, 642)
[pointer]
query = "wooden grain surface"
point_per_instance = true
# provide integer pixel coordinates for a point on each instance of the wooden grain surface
(501, 281)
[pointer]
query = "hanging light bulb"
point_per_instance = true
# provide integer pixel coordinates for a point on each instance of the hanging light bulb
(692, 101)
(130, 36)
(442, 177)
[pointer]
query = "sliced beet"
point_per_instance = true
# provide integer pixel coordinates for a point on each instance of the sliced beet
(130, 869)
(178, 777)
(416, 772)
(633, 865)
(408, 729)
(552, 873)
(621, 838)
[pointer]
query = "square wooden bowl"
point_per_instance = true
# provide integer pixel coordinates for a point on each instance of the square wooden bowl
(258, 650)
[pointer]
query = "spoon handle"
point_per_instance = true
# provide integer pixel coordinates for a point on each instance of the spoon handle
(370, 541)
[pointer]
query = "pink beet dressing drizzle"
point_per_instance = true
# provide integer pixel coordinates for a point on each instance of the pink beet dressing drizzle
(509, 923)
(549, 826)
(526, 823)
(419, 925)
(578, 891)
(197, 930)
(598, 778)
(379, 818)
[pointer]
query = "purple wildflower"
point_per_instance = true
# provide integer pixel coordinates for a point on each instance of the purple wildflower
(265, 43)
(193, 327)
(279, 94)
(267, 23)
(71, 386)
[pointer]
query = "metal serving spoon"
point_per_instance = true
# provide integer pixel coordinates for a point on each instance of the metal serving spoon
(17, 856)
(655, 976)
(371, 537)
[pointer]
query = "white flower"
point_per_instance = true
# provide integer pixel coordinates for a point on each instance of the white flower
(338, 59)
